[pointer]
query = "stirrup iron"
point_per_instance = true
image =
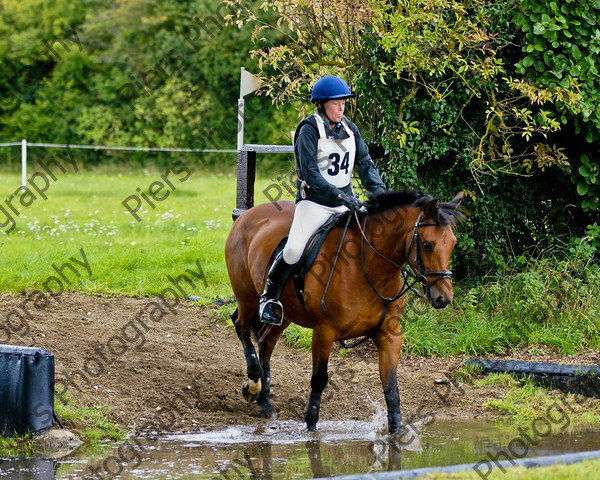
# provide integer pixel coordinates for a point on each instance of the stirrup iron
(262, 309)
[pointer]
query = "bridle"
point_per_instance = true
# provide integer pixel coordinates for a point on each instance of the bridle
(422, 273)
(419, 272)
(418, 276)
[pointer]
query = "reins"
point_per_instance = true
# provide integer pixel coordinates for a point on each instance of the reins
(323, 306)
(419, 276)
(403, 289)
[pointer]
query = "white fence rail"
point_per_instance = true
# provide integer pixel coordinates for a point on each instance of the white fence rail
(25, 145)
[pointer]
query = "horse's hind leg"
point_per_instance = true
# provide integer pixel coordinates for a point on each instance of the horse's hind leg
(243, 323)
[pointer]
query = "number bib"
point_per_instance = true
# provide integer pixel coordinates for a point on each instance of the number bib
(335, 157)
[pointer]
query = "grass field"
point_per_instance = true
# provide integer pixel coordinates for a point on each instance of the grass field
(95, 232)
(84, 218)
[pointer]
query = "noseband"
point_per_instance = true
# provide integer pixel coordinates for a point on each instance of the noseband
(419, 273)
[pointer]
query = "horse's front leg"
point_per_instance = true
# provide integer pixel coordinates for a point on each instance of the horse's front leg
(269, 335)
(242, 320)
(321, 349)
(389, 341)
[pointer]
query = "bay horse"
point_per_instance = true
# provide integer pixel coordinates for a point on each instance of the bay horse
(401, 227)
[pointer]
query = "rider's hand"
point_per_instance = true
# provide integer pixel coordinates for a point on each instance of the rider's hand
(350, 201)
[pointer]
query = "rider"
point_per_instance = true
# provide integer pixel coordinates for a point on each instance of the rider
(327, 146)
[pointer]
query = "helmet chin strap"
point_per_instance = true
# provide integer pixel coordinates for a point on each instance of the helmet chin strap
(321, 111)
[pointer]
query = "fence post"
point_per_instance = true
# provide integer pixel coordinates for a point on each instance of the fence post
(24, 163)
(246, 172)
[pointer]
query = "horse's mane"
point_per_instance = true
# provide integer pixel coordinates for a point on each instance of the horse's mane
(446, 213)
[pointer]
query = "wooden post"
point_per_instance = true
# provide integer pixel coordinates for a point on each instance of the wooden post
(246, 174)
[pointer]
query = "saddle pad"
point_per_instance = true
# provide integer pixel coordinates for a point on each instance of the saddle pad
(311, 252)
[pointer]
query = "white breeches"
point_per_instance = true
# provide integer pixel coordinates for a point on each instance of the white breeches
(308, 217)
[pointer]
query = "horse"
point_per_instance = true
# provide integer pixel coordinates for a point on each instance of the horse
(346, 299)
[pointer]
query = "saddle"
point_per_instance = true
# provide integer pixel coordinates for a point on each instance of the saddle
(311, 251)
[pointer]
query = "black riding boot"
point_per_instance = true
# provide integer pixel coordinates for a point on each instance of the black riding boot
(278, 274)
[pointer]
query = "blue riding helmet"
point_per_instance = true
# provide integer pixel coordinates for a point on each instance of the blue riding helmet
(330, 87)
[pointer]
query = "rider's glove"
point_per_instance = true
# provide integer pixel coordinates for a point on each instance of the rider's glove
(350, 201)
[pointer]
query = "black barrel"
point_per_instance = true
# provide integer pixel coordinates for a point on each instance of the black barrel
(26, 389)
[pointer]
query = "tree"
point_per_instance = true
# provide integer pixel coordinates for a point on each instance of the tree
(458, 97)
(133, 73)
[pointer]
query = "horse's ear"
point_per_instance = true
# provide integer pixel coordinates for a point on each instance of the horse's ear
(459, 196)
(430, 209)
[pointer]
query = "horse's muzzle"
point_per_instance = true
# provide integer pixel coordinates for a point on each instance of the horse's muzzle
(438, 298)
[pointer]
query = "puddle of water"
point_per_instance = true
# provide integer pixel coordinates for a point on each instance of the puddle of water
(284, 450)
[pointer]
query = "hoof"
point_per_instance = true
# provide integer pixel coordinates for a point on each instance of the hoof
(395, 422)
(311, 426)
(397, 430)
(251, 389)
(267, 413)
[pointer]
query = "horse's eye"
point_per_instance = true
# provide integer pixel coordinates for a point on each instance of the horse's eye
(428, 246)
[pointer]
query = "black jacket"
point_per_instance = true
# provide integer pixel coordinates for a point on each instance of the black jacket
(305, 149)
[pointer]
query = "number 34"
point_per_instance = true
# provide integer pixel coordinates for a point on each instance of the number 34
(335, 163)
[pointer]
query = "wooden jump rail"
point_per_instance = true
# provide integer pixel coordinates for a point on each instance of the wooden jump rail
(246, 173)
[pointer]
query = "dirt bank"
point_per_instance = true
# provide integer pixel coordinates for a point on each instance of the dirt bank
(176, 368)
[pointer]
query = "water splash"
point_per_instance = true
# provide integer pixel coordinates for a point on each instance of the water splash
(379, 419)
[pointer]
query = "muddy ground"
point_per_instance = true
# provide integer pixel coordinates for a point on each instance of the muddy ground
(176, 368)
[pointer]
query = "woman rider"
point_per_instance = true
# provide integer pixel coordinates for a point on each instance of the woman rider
(327, 146)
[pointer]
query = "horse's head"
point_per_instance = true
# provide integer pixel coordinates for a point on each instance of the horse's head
(430, 246)
(426, 239)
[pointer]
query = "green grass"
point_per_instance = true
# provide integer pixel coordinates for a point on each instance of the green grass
(523, 400)
(90, 424)
(17, 445)
(126, 257)
(587, 470)
(298, 336)
(84, 211)
(548, 306)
